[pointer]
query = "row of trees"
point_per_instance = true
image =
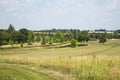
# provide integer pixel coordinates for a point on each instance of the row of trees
(60, 36)
(12, 36)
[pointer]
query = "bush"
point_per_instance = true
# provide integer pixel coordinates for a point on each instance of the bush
(21, 44)
(43, 41)
(29, 42)
(102, 40)
(4, 42)
(11, 42)
(73, 43)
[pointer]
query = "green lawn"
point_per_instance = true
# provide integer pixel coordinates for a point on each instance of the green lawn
(9, 72)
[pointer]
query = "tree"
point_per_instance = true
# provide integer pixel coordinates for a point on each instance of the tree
(58, 37)
(102, 39)
(37, 38)
(43, 40)
(24, 33)
(83, 36)
(11, 28)
(30, 37)
(50, 42)
(5, 35)
(11, 42)
(21, 44)
(47, 39)
(16, 37)
(68, 36)
(73, 43)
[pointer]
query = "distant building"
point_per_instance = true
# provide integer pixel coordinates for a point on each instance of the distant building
(101, 31)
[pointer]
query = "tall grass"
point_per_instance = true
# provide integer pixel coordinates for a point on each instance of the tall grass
(82, 67)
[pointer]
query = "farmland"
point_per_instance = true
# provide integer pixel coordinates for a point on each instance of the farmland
(95, 61)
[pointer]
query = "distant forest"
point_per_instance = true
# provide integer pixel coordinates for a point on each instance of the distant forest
(11, 36)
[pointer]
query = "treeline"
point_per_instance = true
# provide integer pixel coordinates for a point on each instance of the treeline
(12, 36)
(63, 35)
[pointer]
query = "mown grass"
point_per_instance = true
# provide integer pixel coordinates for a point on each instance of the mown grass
(93, 62)
(8, 72)
(98, 49)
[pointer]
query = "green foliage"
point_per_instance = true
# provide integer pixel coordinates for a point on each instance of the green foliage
(24, 33)
(11, 42)
(50, 42)
(58, 37)
(43, 40)
(47, 38)
(116, 36)
(83, 36)
(4, 42)
(21, 44)
(68, 36)
(102, 39)
(11, 29)
(37, 38)
(73, 43)
(30, 38)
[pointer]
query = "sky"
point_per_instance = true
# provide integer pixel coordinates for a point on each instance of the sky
(60, 14)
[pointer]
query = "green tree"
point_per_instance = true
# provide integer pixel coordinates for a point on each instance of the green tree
(58, 37)
(11, 42)
(24, 33)
(21, 44)
(37, 38)
(5, 35)
(11, 28)
(30, 37)
(68, 36)
(43, 40)
(83, 36)
(73, 43)
(102, 39)
(47, 38)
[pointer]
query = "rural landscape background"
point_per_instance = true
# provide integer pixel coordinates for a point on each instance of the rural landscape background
(59, 40)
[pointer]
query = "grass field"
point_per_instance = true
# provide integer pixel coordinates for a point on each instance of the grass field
(93, 62)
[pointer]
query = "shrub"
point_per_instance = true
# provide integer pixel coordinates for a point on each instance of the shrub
(102, 39)
(21, 44)
(73, 43)
(11, 42)
(4, 42)
(43, 41)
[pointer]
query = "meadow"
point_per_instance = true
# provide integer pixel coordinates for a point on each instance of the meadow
(94, 61)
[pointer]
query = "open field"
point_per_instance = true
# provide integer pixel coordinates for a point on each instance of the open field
(93, 62)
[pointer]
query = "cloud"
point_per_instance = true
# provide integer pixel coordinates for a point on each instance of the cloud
(113, 4)
(62, 12)
(15, 5)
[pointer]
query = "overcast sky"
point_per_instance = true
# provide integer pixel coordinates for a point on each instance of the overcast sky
(60, 14)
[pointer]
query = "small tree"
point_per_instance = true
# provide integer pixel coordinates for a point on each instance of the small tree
(43, 41)
(50, 42)
(37, 38)
(102, 39)
(58, 37)
(11, 42)
(73, 43)
(21, 44)
(30, 37)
